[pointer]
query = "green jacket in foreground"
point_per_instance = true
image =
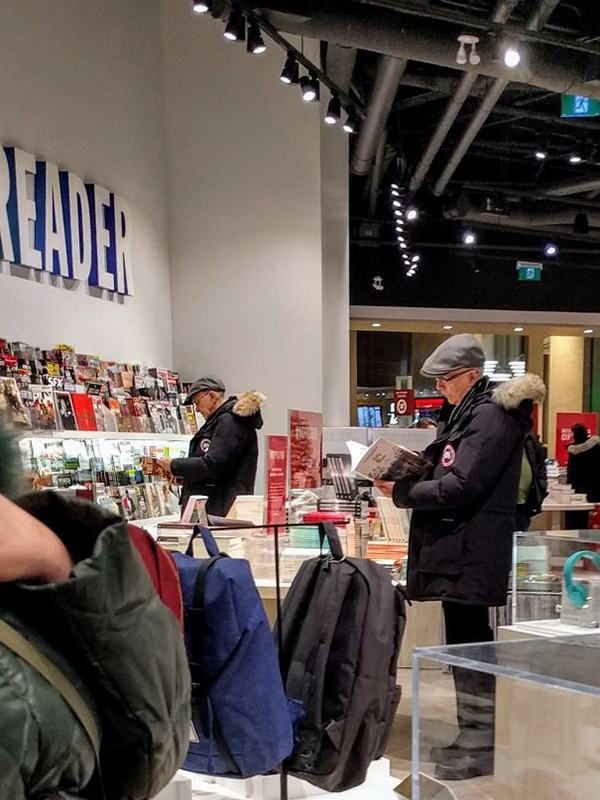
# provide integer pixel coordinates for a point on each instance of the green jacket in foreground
(111, 635)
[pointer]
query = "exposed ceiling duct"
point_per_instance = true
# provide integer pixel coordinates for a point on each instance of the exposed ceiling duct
(537, 20)
(387, 79)
(386, 31)
(465, 87)
(566, 188)
(554, 222)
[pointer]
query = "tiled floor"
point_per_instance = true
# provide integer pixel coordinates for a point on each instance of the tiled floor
(438, 704)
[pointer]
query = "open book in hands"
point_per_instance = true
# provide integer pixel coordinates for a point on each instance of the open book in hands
(386, 461)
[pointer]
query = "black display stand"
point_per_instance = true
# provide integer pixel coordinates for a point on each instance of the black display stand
(283, 790)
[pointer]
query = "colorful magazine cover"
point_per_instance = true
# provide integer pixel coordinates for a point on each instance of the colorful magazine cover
(65, 412)
(11, 405)
(39, 401)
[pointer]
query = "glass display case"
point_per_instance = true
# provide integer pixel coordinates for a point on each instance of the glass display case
(528, 714)
(538, 561)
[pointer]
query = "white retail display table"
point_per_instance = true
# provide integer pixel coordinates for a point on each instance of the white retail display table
(553, 515)
(378, 786)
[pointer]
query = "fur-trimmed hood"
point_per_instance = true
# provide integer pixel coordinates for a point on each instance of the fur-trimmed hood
(512, 393)
(248, 404)
(576, 449)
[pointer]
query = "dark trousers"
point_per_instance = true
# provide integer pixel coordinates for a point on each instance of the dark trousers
(475, 691)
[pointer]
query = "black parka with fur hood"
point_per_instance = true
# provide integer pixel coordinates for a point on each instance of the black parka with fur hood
(223, 455)
(464, 511)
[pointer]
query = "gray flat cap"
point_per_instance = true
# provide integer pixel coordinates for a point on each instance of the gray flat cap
(457, 352)
(210, 383)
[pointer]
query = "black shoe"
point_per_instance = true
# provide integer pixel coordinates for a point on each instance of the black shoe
(440, 753)
(461, 765)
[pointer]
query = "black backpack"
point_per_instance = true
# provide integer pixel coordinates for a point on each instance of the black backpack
(342, 626)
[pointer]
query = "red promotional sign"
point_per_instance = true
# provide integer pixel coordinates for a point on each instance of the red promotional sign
(277, 451)
(564, 435)
(306, 443)
(404, 402)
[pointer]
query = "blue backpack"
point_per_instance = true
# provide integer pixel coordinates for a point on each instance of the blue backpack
(241, 722)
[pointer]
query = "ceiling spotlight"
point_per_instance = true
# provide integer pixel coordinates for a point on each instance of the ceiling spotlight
(395, 193)
(469, 237)
(396, 203)
(415, 259)
(412, 214)
(401, 238)
(581, 224)
(512, 57)
(334, 109)
(410, 273)
(403, 245)
(541, 154)
(256, 43)
(290, 71)
(202, 6)
(398, 213)
(310, 88)
(235, 30)
(575, 158)
(550, 249)
(589, 330)
(350, 125)
(518, 330)
(394, 186)
(461, 56)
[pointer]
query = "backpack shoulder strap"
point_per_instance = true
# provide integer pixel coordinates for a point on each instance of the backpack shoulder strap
(44, 667)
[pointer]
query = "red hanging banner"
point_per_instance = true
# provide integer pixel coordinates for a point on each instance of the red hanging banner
(277, 455)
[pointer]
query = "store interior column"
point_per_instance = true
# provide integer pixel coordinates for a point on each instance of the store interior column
(565, 381)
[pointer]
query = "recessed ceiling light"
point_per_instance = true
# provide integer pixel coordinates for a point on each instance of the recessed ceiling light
(512, 57)
(589, 330)
(448, 327)
(376, 324)
(518, 330)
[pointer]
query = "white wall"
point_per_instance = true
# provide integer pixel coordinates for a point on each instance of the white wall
(245, 217)
(80, 86)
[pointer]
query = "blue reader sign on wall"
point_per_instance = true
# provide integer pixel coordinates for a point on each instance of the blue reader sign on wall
(51, 220)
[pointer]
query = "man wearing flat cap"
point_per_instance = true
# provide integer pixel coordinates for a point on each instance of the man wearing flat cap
(223, 455)
(462, 525)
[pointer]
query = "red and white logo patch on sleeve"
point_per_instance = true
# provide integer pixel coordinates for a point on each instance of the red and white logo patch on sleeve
(448, 456)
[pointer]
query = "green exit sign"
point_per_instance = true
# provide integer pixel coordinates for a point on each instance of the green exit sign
(574, 105)
(529, 270)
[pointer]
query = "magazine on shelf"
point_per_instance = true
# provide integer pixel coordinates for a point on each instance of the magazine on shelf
(84, 412)
(64, 408)
(11, 405)
(386, 461)
(40, 403)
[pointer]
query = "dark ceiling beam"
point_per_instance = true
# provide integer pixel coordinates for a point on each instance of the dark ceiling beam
(424, 39)
(502, 12)
(419, 100)
(485, 248)
(447, 86)
(521, 194)
(471, 22)
(535, 22)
